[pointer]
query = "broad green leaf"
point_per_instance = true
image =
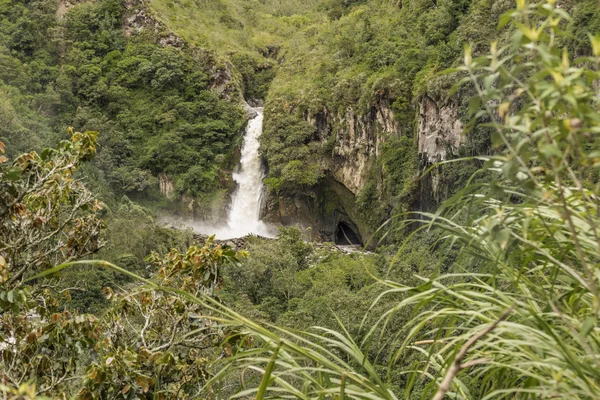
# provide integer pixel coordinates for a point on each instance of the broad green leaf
(13, 174)
(587, 326)
(595, 41)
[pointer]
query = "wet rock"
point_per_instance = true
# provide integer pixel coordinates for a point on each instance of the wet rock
(242, 243)
(222, 82)
(249, 110)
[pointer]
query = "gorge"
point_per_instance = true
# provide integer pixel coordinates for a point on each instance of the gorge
(353, 114)
(347, 138)
(389, 199)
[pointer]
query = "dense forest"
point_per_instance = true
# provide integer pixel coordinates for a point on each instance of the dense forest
(453, 142)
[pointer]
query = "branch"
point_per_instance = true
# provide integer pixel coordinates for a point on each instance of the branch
(170, 342)
(457, 364)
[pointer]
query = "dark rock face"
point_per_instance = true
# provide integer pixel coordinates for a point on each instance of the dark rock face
(439, 139)
(357, 138)
(320, 210)
(222, 83)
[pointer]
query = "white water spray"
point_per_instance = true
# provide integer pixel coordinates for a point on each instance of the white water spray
(245, 207)
(244, 213)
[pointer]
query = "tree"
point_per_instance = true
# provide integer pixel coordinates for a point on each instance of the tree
(155, 340)
(158, 343)
(47, 216)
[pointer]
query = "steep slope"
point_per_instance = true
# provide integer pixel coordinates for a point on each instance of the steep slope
(363, 95)
(161, 105)
(355, 108)
(244, 36)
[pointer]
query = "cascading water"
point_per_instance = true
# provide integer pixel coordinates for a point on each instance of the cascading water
(244, 213)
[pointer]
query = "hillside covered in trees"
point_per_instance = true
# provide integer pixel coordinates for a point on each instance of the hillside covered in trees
(455, 140)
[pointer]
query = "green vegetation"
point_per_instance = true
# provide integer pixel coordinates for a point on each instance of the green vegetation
(49, 348)
(292, 152)
(370, 55)
(516, 316)
(228, 26)
(247, 35)
(151, 103)
(494, 295)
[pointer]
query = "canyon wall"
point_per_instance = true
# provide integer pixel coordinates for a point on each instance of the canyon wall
(439, 131)
(358, 139)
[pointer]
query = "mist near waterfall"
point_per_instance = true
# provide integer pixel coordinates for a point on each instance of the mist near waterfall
(244, 213)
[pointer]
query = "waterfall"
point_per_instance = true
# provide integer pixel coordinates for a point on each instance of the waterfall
(244, 214)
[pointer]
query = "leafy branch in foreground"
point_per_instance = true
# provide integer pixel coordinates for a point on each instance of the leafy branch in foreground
(159, 343)
(46, 216)
(149, 344)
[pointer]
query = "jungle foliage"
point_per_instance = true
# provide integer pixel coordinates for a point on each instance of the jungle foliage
(48, 220)
(339, 73)
(153, 104)
(125, 337)
(494, 295)
(512, 311)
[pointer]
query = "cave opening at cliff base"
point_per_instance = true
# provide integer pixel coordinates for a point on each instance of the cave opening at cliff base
(346, 235)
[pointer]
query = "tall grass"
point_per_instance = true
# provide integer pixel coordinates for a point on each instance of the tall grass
(233, 26)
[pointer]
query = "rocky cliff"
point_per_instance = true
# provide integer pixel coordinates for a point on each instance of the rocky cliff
(357, 141)
(321, 210)
(439, 131)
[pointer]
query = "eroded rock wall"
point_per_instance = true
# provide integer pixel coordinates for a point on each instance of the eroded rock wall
(439, 131)
(439, 137)
(356, 140)
(357, 137)
(318, 210)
